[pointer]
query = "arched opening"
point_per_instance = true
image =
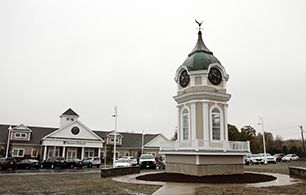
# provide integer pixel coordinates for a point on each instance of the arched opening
(185, 124)
(216, 124)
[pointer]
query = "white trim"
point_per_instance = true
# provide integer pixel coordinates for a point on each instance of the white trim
(32, 156)
(155, 138)
(205, 121)
(197, 159)
(71, 124)
(18, 149)
(221, 122)
(225, 122)
(203, 101)
(213, 153)
(193, 121)
(178, 123)
(189, 123)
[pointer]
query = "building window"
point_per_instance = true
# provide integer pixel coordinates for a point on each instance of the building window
(34, 153)
(72, 119)
(20, 135)
(112, 140)
(51, 152)
(216, 124)
(89, 152)
(18, 152)
(126, 154)
(185, 124)
(67, 119)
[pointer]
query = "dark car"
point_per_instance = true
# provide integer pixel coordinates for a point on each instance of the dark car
(54, 162)
(8, 163)
(279, 156)
(71, 163)
(28, 164)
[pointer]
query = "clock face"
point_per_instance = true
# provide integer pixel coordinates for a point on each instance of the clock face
(215, 76)
(184, 79)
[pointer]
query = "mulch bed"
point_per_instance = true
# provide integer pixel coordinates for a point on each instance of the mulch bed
(214, 179)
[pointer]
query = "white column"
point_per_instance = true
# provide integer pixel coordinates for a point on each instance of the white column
(99, 152)
(64, 151)
(45, 153)
(205, 121)
(178, 123)
(82, 153)
(225, 123)
(193, 121)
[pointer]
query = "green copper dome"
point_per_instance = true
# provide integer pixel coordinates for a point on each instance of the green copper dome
(200, 57)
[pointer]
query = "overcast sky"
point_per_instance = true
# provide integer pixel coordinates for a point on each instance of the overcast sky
(92, 55)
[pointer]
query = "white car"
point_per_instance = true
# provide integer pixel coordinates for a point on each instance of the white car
(122, 162)
(147, 161)
(269, 157)
(290, 157)
(132, 160)
(256, 159)
(92, 161)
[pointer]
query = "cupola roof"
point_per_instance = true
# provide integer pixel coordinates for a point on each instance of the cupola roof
(70, 112)
(200, 57)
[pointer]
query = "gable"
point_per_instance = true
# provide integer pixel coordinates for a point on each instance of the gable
(75, 130)
(156, 142)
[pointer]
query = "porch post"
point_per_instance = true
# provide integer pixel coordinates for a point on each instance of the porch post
(64, 151)
(99, 152)
(45, 153)
(82, 153)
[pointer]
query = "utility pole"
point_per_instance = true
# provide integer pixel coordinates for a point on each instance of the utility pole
(8, 141)
(263, 137)
(115, 136)
(302, 132)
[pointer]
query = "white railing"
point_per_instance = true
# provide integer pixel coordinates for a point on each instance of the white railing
(198, 145)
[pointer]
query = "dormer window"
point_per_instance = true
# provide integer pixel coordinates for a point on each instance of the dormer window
(72, 119)
(67, 119)
(20, 135)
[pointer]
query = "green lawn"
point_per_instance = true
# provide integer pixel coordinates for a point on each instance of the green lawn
(78, 183)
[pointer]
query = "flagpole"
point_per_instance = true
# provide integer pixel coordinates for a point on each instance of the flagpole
(115, 136)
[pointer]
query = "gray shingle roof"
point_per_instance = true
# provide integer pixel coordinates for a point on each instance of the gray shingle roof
(129, 140)
(70, 112)
(37, 133)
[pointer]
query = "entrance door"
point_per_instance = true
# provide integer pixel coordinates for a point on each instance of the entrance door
(71, 153)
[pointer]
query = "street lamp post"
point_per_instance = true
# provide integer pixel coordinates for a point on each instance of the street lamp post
(261, 122)
(115, 136)
(8, 141)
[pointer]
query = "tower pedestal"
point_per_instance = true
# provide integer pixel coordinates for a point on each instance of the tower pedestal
(203, 165)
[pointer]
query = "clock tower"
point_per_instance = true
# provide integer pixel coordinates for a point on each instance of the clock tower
(202, 147)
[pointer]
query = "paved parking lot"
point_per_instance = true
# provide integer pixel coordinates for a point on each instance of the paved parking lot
(50, 171)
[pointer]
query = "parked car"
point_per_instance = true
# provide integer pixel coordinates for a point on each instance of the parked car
(92, 161)
(254, 159)
(28, 164)
(279, 156)
(147, 161)
(122, 162)
(72, 163)
(247, 159)
(290, 157)
(54, 162)
(269, 157)
(132, 160)
(8, 163)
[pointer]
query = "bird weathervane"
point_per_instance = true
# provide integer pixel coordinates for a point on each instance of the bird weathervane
(199, 23)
